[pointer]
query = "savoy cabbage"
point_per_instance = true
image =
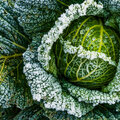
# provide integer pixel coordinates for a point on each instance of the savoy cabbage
(60, 60)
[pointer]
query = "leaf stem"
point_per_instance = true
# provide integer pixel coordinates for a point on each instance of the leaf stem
(62, 3)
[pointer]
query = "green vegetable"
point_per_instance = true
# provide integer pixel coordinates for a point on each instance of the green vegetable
(94, 63)
(37, 84)
(47, 55)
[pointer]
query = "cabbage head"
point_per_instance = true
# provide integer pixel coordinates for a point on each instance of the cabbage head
(60, 60)
(87, 52)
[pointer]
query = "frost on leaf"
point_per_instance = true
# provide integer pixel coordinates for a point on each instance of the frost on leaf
(13, 43)
(45, 86)
(36, 16)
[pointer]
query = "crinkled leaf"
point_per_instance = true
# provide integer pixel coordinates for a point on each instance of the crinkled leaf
(36, 16)
(112, 5)
(100, 113)
(13, 42)
(31, 113)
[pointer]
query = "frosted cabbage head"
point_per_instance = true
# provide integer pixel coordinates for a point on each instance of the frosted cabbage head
(41, 63)
(87, 53)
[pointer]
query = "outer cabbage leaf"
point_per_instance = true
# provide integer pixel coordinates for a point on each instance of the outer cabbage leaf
(59, 115)
(98, 113)
(15, 91)
(13, 42)
(113, 6)
(12, 38)
(101, 112)
(31, 113)
(37, 16)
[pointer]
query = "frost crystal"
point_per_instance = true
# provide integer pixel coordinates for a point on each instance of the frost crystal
(81, 52)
